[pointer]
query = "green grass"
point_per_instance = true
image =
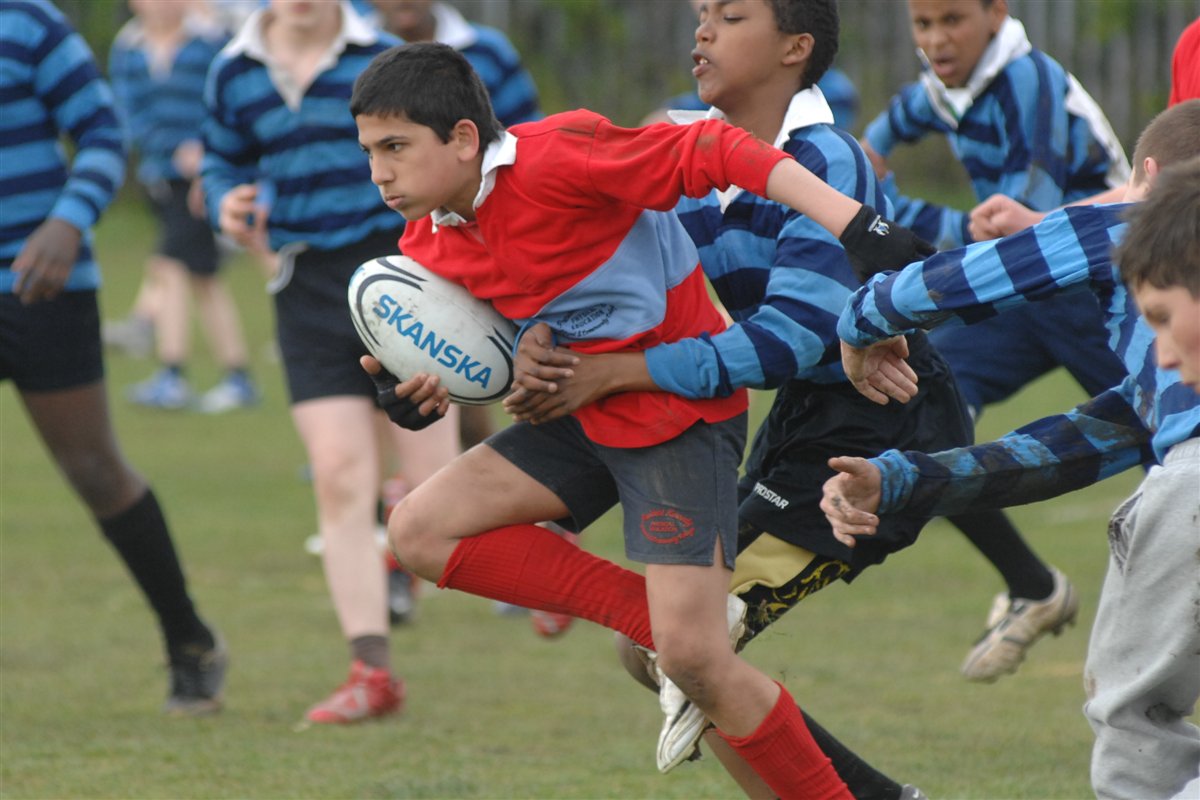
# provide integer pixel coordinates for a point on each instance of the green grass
(494, 712)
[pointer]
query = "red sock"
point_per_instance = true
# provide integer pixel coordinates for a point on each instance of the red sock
(783, 753)
(529, 566)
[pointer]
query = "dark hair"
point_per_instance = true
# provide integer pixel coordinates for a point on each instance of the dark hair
(816, 17)
(428, 83)
(1162, 245)
(1171, 137)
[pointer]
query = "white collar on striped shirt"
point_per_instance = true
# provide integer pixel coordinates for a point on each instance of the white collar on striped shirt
(807, 107)
(1009, 44)
(500, 153)
(452, 27)
(249, 41)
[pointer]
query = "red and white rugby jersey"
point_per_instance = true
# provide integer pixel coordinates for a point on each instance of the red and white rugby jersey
(575, 228)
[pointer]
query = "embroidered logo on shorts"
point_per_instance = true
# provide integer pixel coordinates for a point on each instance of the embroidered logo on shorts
(667, 526)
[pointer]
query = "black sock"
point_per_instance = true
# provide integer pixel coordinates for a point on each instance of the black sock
(995, 536)
(140, 536)
(864, 781)
(372, 650)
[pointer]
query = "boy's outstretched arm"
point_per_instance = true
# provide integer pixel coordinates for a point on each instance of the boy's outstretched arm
(873, 243)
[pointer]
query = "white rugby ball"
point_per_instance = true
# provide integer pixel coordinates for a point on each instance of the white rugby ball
(414, 320)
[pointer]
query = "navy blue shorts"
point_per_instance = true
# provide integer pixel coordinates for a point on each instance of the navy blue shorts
(810, 423)
(51, 345)
(678, 497)
(317, 340)
(994, 358)
(182, 237)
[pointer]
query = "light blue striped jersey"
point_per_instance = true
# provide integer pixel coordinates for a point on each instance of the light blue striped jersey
(1070, 250)
(49, 86)
(306, 146)
(162, 105)
(781, 276)
(1023, 127)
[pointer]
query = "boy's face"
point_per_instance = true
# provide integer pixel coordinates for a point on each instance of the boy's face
(954, 33)
(411, 20)
(738, 47)
(1174, 316)
(305, 14)
(417, 172)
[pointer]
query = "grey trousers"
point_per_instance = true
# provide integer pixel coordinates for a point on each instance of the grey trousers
(1143, 665)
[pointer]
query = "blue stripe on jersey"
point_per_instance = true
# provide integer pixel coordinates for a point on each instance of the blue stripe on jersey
(1070, 250)
(49, 83)
(324, 195)
(625, 296)
(511, 88)
(780, 276)
(1017, 139)
(161, 111)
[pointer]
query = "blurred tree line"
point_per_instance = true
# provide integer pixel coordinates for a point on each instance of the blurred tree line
(624, 57)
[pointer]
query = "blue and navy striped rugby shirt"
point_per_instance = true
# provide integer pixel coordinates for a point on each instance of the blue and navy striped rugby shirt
(1070, 250)
(49, 87)
(306, 147)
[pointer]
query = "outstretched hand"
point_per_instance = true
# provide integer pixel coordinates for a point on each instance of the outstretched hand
(413, 403)
(879, 371)
(851, 497)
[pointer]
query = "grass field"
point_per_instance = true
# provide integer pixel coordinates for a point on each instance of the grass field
(493, 712)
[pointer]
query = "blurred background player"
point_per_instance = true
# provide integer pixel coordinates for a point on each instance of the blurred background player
(1001, 215)
(157, 67)
(50, 322)
(279, 124)
(1021, 125)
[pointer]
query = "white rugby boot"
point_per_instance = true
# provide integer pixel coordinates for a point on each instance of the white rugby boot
(1015, 624)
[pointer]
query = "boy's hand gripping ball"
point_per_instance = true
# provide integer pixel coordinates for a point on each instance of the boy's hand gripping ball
(413, 321)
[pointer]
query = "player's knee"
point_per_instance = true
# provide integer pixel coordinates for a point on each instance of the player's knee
(691, 663)
(412, 536)
(105, 484)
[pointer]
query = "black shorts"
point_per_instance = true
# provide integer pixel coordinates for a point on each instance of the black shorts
(182, 237)
(51, 345)
(810, 423)
(678, 497)
(317, 340)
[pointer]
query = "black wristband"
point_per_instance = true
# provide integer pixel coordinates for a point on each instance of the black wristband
(399, 410)
(875, 244)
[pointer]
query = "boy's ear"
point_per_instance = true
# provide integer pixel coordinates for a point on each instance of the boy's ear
(1150, 167)
(464, 136)
(800, 47)
(997, 13)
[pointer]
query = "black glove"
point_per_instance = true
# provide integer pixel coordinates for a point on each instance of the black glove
(400, 410)
(875, 244)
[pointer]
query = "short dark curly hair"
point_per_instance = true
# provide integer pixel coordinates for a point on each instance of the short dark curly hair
(1162, 246)
(816, 17)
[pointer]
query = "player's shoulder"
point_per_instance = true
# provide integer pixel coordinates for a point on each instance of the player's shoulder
(31, 23)
(1028, 77)
(830, 153)
(494, 41)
